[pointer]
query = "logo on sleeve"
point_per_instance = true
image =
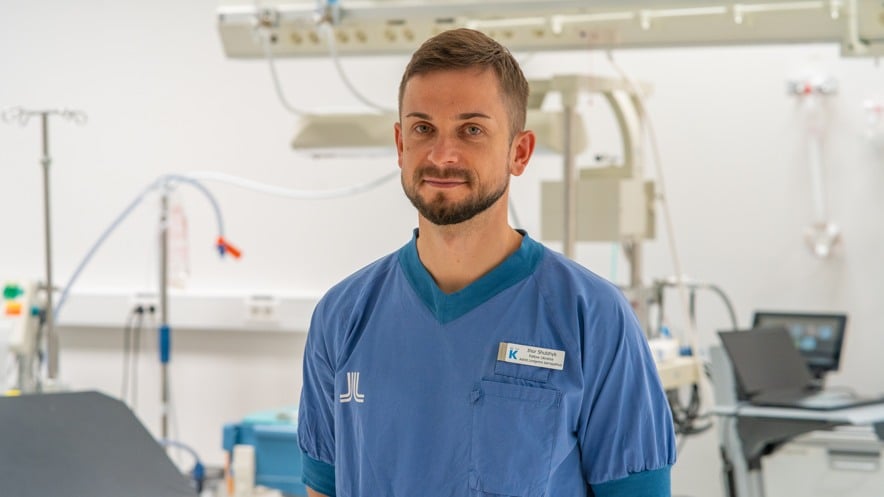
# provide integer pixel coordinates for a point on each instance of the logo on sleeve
(352, 389)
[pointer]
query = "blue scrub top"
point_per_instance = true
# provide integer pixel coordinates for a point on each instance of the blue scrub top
(404, 393)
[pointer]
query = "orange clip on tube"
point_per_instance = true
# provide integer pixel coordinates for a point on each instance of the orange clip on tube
(235, 252)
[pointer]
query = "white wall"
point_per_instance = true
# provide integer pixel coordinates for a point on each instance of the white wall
(161, 97)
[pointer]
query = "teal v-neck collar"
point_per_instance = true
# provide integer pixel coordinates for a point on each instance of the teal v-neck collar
(448, 307)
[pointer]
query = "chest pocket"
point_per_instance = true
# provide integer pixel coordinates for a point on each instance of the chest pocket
(513, 434)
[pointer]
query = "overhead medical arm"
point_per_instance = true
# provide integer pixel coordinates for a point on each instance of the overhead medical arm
(375, 27)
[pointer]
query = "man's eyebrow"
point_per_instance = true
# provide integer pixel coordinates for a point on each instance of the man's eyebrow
(461, 117)
(472, 115)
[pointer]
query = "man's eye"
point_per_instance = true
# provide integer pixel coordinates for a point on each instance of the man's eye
(473, 130)
(422, 128)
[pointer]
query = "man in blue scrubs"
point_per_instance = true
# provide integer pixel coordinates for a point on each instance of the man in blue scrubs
(474, 361)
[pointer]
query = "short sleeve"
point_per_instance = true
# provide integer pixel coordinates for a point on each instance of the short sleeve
(652, 483)
(625, 426)
(316, 435)
(318, 476)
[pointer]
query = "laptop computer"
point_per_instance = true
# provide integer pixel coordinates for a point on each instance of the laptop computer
(770, 371)
(819, 337)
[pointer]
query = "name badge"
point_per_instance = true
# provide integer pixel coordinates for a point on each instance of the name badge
(531, 356)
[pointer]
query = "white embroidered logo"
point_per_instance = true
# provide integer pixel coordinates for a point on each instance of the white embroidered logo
(352, 389)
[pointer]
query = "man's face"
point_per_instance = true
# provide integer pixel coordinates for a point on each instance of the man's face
(454, 144)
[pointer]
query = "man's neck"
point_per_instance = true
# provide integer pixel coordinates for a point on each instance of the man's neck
(460, 254)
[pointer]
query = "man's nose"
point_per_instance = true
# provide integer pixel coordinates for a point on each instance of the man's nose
(444, 151)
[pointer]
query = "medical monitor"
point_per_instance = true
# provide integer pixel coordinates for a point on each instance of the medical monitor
(819, 337)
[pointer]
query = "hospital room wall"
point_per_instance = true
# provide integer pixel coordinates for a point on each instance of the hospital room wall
(161, 97)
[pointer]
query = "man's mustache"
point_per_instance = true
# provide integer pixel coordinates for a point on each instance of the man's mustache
(440, 173)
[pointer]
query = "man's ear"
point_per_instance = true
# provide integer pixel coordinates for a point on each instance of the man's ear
(521, 152)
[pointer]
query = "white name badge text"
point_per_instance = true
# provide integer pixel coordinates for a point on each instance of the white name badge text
(531, 356)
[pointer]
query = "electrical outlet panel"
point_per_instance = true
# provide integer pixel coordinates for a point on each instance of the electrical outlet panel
(146, 300)
(262, 309)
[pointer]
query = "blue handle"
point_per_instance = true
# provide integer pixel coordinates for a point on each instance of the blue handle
(165, 343)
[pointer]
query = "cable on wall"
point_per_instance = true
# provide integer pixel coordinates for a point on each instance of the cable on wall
(329, 32)
(663, 199)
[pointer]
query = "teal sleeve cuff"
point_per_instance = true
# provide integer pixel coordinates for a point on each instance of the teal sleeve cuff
(654, 483)
(318, 475)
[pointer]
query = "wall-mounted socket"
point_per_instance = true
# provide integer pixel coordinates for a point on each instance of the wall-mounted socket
(262, 309)
(146, 300)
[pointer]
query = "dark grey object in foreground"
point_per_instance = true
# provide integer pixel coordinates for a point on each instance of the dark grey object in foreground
(81, 444)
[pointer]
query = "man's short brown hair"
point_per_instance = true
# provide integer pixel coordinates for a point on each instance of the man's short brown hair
(464, 49)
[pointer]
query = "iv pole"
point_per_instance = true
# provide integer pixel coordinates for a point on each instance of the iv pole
(164, 329)
(22, 116)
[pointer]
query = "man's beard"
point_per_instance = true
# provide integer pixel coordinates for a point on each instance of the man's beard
(442, 212)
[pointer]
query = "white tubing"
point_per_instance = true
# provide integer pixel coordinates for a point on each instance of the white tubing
(664, 203)
(161, 182)
(333, 52)
(288, 192)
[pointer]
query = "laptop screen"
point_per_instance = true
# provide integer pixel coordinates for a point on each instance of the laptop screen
(819, 337)
(765, 359)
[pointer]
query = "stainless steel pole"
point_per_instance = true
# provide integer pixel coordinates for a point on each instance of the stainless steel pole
(164, 314)
(51, 336)
(47, 333)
